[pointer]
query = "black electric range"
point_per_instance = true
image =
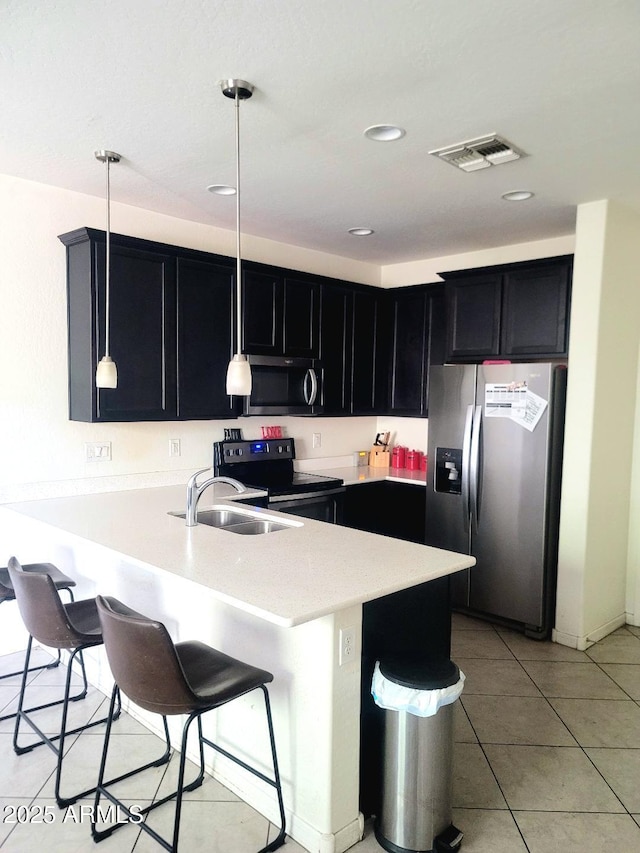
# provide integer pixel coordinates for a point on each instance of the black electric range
(267, 464)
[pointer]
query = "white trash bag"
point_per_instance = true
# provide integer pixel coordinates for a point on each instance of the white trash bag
(421, 703)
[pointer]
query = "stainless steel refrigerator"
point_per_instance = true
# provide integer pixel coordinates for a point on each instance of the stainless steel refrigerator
(495, 458)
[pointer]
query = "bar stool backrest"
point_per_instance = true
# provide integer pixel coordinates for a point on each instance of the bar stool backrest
(143, 659)
(42, 611)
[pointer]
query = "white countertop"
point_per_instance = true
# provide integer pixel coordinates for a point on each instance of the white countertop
(287, 577)
(352, 475)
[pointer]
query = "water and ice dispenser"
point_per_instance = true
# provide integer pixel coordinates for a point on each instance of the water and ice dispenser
(448, 473)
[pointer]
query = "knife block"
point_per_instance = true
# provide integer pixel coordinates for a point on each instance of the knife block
(379, 457)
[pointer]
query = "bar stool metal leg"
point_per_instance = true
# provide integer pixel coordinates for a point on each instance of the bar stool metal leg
(55, 742)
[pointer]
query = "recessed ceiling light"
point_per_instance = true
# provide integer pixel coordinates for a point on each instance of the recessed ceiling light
(221, 189)
(361, 232)
(517, 195)
(384, 132)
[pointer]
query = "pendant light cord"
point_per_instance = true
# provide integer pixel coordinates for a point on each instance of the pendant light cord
(108, 262)
(238, 262)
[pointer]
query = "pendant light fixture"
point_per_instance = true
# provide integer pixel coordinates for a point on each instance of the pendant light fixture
(106, 372)
(239, 370)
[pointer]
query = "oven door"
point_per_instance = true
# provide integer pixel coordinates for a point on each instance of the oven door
(322, 506)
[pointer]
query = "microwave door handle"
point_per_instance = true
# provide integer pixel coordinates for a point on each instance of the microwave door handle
(310, 398)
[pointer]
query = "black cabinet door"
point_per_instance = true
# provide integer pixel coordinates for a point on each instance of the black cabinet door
(535, 311)
(142, 299)
(335, 348)
(473, 312)
(409, 352)
(262, 306)
(205, 311)
(366, 354)
(301, 338)
(388, 508)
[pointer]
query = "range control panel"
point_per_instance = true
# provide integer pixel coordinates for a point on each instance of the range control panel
(260, 450)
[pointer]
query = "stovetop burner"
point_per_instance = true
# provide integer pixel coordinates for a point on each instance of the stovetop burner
(267, 464)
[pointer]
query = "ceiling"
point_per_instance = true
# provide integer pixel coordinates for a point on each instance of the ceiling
(560, 79)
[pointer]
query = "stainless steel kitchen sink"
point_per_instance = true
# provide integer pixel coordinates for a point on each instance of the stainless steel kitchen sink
(243, 523)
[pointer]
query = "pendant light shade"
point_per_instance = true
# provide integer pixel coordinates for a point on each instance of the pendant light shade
(106, 371)
(239, 376)
(239, 370)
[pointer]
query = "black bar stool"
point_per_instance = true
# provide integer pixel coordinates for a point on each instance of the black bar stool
(184, 678)
(61, 581)
(74, 627)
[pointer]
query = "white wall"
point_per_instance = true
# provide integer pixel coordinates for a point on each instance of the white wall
(426, 271)
(601, 412)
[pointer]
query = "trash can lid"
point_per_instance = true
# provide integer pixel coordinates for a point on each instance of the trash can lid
(420, 674)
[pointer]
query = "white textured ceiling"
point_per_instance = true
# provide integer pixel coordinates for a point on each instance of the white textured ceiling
(558, 78)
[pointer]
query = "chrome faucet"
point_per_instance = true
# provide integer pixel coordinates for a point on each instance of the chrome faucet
(194, 492)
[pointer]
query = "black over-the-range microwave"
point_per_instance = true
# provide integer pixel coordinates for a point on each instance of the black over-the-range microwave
(284, 386)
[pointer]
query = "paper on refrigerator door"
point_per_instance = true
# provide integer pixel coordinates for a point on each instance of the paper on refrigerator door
(515, 401)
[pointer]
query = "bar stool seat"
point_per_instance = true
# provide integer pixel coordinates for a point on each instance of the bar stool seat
(7, 593)
(74, 627)
(183, 678)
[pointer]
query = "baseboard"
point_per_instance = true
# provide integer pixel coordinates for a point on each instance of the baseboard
(582, 643)
(607, 628)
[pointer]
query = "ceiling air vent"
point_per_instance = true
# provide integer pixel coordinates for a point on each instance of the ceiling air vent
(479, 153)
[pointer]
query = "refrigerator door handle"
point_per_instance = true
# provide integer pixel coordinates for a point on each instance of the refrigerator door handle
(474, 465)
(466, 466)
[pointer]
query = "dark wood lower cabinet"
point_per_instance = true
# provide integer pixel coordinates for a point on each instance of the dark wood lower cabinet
(388, 508)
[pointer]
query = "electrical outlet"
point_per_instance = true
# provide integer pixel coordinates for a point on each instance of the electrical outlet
(347, 645)
(97, 451)
(317, 439)
(174, 447)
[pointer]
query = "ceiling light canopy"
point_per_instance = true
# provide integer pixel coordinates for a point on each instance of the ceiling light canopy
(361, 232)
(517, 195)
(384, 132)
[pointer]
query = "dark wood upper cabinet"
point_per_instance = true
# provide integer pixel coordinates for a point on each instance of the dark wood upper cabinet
(368, 354)
(301, 318)
(280, 314)
(515, 311)
(417, 337)
(535, 308)
(262, 301)
(170, 330)
(335, 348)
(473, 311)
(205, 314)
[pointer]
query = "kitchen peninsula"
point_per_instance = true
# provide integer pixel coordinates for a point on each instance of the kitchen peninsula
(278, 600)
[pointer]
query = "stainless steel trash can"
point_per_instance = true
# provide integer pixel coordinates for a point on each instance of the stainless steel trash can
(417, 759)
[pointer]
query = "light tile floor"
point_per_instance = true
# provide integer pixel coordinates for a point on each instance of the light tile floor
(547, 759)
